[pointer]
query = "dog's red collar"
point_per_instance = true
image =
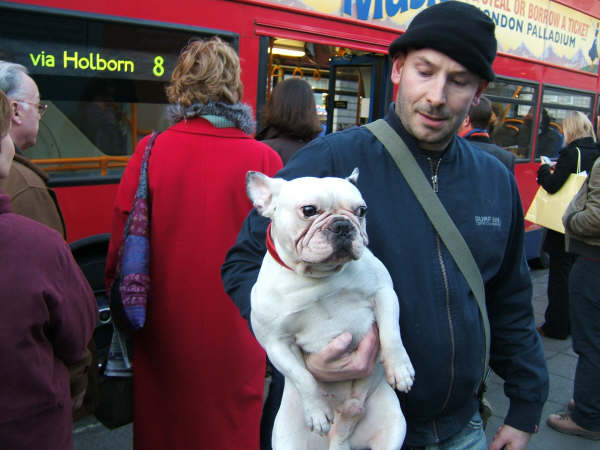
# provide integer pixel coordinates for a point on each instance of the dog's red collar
(273, 251)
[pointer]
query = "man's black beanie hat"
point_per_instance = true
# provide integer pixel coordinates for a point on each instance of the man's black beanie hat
(458, 30)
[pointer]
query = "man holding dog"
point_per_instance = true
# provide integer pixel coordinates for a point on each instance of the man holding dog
(441, 66)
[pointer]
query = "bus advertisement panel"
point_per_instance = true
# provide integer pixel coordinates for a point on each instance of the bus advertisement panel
(543, 30)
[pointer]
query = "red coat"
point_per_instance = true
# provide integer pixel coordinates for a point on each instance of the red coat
(198, 371)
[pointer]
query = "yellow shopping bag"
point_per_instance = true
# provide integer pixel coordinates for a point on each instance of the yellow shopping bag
(547, 209)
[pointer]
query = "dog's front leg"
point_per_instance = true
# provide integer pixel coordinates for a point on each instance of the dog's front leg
(287, 358)
(398, 368)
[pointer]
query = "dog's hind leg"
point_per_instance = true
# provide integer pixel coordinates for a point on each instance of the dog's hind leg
(345, 420)
(384, 425)
(350, 412)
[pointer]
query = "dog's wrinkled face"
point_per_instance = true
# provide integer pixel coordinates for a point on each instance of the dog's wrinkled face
(314, 220)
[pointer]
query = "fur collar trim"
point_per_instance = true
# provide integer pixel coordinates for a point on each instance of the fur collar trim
(240, 114)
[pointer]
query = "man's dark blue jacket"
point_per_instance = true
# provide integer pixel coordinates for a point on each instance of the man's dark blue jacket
(439, 317)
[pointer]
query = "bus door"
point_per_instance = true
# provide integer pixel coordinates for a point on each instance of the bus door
(359, 90)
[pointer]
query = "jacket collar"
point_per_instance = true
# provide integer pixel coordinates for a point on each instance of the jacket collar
(199, 125)
(20, 158)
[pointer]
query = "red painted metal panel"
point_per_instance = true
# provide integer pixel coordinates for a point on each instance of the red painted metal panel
(86, 209)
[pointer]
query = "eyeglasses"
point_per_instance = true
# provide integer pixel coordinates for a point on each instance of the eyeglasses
(41, 107)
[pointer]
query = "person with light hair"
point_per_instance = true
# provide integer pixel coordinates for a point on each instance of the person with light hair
(577, 126)
(580, 151)
(26, 184)
(198, 372)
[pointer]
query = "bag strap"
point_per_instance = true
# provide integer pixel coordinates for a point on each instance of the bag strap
(440, 219)
(578, 159)
(142, 188)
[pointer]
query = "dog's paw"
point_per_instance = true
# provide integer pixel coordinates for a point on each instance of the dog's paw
(319, 418)
(400, 373)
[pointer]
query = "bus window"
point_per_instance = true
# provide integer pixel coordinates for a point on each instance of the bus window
(350, 86)
(556, 104)
(514, 110)
(103, 80)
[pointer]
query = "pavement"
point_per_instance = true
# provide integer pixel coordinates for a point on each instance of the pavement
(91, 435)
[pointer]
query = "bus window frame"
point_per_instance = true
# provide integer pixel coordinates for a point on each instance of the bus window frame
(591, 94)
(80, 17)
(509, 100)
(589, 112)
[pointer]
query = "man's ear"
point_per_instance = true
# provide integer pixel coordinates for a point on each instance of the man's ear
(15, 114)
(262, 191)
(483, 84)
(466, 125)
(397, 65)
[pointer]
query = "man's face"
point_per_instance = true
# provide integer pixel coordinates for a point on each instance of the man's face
(434, 95)
(26, 116)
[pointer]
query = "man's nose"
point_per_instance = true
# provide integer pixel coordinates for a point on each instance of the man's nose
(436, 92)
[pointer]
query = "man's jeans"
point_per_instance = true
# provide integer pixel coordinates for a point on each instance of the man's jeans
(472, 437)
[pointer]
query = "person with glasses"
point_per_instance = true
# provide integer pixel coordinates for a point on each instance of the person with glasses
(41, 107)
(26, 184)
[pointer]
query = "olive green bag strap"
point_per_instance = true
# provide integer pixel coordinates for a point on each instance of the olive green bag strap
(440, 219)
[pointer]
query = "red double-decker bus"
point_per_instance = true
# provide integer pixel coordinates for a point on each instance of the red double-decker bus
(102, 69)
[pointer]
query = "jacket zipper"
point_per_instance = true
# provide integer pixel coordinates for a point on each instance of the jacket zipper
(434, 173)
(434, 184)
(450, 323)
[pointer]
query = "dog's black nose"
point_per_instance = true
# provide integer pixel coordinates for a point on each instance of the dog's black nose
(340, 227)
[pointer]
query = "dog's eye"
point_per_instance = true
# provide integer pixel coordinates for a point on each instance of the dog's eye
(361, 211)
(309, 210)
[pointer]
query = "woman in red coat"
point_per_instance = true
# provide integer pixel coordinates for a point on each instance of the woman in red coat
(198, 371)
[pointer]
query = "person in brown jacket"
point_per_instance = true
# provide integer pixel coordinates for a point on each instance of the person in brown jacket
(48, 312)
(26, 183)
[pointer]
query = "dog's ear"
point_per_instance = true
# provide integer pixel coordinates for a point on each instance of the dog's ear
(262, 190)
(353, 178)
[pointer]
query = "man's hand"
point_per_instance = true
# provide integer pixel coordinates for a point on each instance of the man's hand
(337, 363)
(509, 438)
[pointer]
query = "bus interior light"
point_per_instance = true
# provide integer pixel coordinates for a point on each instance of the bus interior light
(285, 50)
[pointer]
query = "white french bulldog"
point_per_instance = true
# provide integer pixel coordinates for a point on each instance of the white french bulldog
(317, 281)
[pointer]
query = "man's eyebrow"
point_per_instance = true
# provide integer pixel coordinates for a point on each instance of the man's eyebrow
(424, 60)
(458, 71)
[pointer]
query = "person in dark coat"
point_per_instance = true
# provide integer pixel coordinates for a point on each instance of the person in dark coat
(475, 128)
(581, 146)
(290, 118)
(48, 313)
(441, 66)
(549, 140)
